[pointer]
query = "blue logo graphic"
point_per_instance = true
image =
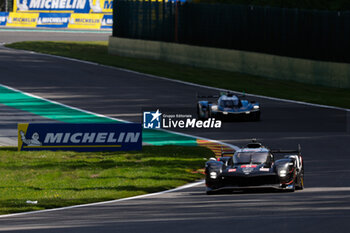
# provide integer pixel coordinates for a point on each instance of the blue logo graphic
(3, 18)
(53, 20)
(107, 22)
(80, 137)
(151, 120)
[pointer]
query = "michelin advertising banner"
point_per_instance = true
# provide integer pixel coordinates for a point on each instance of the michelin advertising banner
(53, 20)
(74, 14)
(22, 19)
(69, 6)
(56, 20)
(80, 137)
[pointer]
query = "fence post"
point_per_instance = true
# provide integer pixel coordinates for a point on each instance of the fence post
(176, 22)
(6, 6)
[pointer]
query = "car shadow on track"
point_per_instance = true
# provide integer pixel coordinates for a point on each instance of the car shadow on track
(233, 192)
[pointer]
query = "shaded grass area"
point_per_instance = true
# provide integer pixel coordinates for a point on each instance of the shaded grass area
(97, 52)
(57, 179)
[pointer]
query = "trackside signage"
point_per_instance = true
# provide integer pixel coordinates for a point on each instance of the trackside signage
(80, 137)
(72, 6)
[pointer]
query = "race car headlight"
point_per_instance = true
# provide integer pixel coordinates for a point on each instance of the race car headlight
(213, 175)
(214, 107)
(282, 173)
(256, 107)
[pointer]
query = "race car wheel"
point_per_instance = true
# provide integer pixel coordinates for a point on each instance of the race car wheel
(202, 115)
(291, 187)
(301, 184)
(256, 116)
(198, 111)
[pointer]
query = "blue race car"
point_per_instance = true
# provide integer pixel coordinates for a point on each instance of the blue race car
(228, 107)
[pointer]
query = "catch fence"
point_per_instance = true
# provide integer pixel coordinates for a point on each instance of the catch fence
(311, 34)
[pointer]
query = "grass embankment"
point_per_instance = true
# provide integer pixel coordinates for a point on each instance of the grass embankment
(57, 179)
(97, 52)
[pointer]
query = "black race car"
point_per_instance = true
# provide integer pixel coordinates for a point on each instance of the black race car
(254, 166)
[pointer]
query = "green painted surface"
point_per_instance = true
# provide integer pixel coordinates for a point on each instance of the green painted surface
(160, 138)
(66, 114)
(47, 109)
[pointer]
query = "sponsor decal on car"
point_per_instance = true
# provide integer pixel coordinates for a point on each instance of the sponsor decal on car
(247, 169)
(247, 166)
(263, 169)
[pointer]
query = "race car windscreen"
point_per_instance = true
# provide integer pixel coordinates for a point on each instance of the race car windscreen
(228, 103)
(250, 157)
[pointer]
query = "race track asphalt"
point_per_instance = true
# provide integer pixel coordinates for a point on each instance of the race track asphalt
(323, 206)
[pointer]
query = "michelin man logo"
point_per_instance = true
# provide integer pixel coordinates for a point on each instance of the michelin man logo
(22, 6)
(95, 8)
(34, 141)
(151, 120)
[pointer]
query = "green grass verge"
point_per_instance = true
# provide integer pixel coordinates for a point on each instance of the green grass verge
(97, 52)
(57, 179)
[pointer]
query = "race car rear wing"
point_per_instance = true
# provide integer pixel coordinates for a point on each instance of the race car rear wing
(287, 151)
(227, 153)
(207, 96)
(228, 93)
